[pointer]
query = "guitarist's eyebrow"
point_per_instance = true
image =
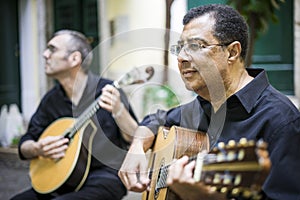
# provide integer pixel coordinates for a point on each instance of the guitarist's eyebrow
(51, 48)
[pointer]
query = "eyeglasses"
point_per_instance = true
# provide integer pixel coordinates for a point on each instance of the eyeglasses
(192, 47)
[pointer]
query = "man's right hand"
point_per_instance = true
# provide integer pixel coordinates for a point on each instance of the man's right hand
(53, 147)
(134, 172)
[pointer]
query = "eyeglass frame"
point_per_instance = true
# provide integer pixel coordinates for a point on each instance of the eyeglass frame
(54, 49)
(199, 46)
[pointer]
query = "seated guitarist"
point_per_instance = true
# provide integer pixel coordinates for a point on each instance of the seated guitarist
(233, 102)
(68, 56)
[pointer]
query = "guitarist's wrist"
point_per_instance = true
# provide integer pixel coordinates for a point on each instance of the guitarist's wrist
(143, 136)
(30, 149)
(119, 112)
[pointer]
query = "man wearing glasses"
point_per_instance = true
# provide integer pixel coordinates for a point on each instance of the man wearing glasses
(233, 102)
(68, 57)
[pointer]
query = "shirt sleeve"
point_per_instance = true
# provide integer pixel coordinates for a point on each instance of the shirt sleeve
(50, 109)
(36, 126)
(186, 115)
(283, 179)
(162, 118)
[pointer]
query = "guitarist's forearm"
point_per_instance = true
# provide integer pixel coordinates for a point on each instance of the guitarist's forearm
(29, 149)
(126, 123)
(144, 136)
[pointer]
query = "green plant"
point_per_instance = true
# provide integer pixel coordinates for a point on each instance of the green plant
(258, 14)
(159, 96)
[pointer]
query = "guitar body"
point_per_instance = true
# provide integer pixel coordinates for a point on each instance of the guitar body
(70, 172)
(171, 144)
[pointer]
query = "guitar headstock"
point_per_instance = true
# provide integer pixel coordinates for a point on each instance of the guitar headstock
(236, 168)
(135, 76)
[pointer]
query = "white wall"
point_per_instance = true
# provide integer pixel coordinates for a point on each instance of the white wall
(136, 38)
(33, 80)
(136, 23)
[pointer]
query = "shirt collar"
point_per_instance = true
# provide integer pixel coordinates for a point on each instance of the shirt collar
(252, 91)
(248, 95)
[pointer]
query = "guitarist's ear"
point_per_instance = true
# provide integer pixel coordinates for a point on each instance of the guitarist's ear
(234, 50)
(75, 58)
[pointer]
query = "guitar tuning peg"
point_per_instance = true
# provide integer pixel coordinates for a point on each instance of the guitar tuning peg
(224, 190)
(235, 192)
(231, 143)
(217, 179)
(231, 155)
(247, 194)
(213, 189)
(227, 179)
(261, 144)
(257, 197)
(221, 145)
(243, 141)
(241, 154)
(237, 179)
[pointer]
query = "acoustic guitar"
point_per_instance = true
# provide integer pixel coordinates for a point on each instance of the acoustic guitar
(69, 173)
(236, 168)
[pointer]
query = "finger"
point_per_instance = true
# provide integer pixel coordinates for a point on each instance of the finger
(170, 174)
(131, 179)
(187, 175)
(106, 97)
(127, 173)
(105, 106)
(109, 89)
(123, 178)
(132, 183)
(174, 174)
(45, 142)
(113, 91)
(57, 156)
(56, 143)
(60, 150)
(105, 102)
(49, 139)
(143, 173)
(178, 168)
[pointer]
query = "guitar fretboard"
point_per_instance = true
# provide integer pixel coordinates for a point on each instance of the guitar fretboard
(83, 118)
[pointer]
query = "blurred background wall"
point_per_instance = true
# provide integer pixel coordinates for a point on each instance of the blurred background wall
(127, 34)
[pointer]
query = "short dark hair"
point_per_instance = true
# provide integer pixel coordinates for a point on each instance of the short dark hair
(229, 24)
(80, 43)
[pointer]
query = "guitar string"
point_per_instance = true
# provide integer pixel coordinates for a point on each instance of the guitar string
(88, 113)
(163, 174)
(81, 120)
(92, 109)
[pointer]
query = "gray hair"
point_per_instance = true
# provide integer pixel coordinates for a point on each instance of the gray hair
(80, 43)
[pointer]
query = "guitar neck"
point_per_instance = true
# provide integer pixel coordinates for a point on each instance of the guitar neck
(234, 167)
(135, 76)
(83, 118)
(87, 114)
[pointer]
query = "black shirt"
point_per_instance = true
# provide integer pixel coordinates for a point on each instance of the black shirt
(109, 148)
(256, 111)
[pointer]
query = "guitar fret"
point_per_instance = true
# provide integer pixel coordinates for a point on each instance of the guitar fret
(163, 174)
(69, 127)
(234, 168)
(83, 118)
